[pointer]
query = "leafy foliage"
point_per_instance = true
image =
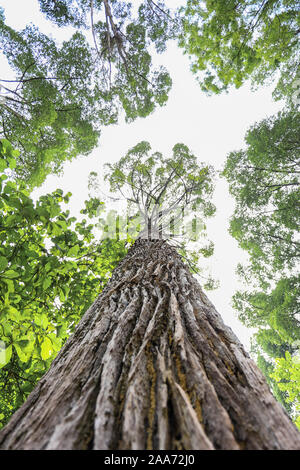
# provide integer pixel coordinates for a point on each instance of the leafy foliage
(168, 198)
(51, 269)
(276, 314)
(278, 308)
(267, 367)
(264, 179)
(62, 93)
(287, 375)
(235, 40)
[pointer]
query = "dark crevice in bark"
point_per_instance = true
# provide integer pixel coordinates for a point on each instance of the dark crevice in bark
(174, 436)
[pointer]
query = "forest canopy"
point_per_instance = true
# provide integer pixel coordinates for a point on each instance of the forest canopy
(234, 41)
(264, 179)
(62, 93)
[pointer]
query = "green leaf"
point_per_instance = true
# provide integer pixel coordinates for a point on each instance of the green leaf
(12, 163)
(23, 353)
(62, 296)
(47, 283)
(72, 252)
(11, 274)
(43, 320)
(46, 349)
(3, 164)
(3, 263)
(10, 285)
(5, 354)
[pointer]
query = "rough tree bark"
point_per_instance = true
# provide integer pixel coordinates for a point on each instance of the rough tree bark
(151, 365)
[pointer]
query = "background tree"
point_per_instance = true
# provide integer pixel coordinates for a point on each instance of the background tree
(169, 197)
(151, 364)
(232, 41)
(61, 93)
(264, 179)
(51, 268)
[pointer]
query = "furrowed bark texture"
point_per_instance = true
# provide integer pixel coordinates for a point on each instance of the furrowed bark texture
(151, 365)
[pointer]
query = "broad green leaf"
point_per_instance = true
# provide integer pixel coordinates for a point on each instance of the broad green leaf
(44, 321)
(3, 263)
(72, 252)
(22, 350)
(11, 274)
(46, 349)
(3, 164)
(5, 354)
(47, 283)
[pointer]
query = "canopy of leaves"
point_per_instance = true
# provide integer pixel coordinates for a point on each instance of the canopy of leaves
(62, 93)
(279, 308)
(264, 179)
(267, 367)
(168, 198)
(233, 40)
(287, 375)
(276, 314)
(51, 269)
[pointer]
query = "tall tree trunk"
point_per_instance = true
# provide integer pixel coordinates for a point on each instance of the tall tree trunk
(151, 366)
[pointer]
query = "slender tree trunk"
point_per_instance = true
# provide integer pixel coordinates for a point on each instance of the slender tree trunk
(151, 366)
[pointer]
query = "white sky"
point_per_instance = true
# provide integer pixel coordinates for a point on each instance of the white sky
(210, 126)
